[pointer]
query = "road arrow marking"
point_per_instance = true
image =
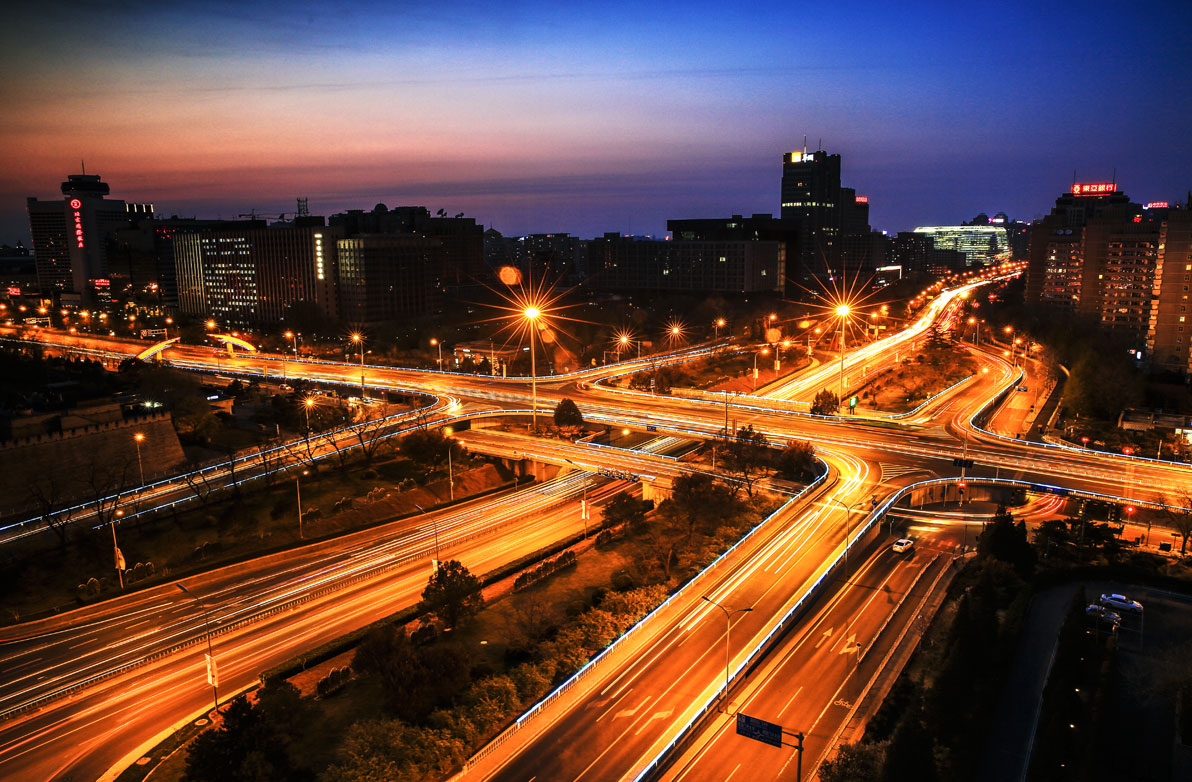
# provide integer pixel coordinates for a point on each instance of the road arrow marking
(634, 710)
(658, 715)
(827, 635)
(849, 645)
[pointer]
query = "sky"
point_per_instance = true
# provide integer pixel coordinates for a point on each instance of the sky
(591, 117)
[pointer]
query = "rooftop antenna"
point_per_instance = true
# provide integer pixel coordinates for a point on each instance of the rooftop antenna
(303, 209)
(84, 166)
(1073, 176)
(1114, 180)
(804, 145)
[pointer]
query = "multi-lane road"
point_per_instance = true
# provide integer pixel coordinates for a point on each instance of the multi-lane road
(654, 682)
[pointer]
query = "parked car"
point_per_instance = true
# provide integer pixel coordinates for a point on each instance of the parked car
(1121, 603)
(903, 544)
(1102, 615)
(1022, 388)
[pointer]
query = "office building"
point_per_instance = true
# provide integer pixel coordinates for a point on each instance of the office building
(385, 277)
(619, 263)
(71, 237)
(812, 197)
(458, 260)
(253, 276)
(982, 245)
(755, 228)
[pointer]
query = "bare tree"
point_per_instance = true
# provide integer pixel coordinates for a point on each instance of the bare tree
(200, 484)
(47, 493)
(1178, 511)
(370, 436)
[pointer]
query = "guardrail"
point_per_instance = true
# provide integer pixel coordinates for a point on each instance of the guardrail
(592, 664)
(372, 571)
(656, 763)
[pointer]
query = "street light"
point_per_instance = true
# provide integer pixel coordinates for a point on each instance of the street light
(532, 314)
(138, 438)
(359, 340)
(727, 650)
(298, 494)
(719, 326)
(842, 312)
(764, 352)
(435, 343)
(435, 522)
(848, 510)
(212, 674)
(307, 404)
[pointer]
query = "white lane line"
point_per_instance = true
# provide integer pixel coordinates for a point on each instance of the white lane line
(792, 700)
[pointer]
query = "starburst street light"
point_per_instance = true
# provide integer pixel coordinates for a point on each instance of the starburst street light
(842, 311)
(674, 332)
(532, 314)
(359, 340)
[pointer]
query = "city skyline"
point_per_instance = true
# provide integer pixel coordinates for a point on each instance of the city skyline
(536, 119)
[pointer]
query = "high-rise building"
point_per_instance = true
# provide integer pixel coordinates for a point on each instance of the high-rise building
(1056, 271)
(70, 236)
(826, 212)
(1169, 330)
(254, 276)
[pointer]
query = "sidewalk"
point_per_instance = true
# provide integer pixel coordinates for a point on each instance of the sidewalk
(1012, 731)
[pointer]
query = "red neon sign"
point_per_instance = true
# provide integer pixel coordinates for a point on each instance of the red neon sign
(75, 203)
(1093, 188)
(1157, 205)
(862, 199)
(78, 221)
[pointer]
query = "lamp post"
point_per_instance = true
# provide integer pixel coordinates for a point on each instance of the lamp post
(138, 438)
(719, 326)
(842, 312)
(848, 510)
(298, 493)
(786, 343)
(727, 649)
(212, 674)
(435, 343)
(359, 340)
(532, 314)
(764, 352)
(435, 522)
(307, 404)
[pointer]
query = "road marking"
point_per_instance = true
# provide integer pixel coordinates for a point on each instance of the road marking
(827, 635)
(792, 700)
(658, 715)
(849, 645)
(734, 771)
(634, 710)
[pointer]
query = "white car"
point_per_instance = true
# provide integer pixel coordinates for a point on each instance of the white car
(903, 544)
(1121, 603)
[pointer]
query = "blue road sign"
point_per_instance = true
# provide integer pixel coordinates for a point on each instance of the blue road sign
(759, 730)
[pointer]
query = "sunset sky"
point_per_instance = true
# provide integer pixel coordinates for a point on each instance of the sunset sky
(537, 116)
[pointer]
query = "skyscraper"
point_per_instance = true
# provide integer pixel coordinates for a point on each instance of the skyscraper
(70, 236)
(811, 194)
(827, 214)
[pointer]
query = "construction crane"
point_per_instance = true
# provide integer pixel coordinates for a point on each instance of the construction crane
(303, 211)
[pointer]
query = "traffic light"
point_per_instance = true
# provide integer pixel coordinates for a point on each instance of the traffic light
(961, 486)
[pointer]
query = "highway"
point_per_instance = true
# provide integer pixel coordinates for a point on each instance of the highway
(658, 677)
(811, 682)
(264, 610)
